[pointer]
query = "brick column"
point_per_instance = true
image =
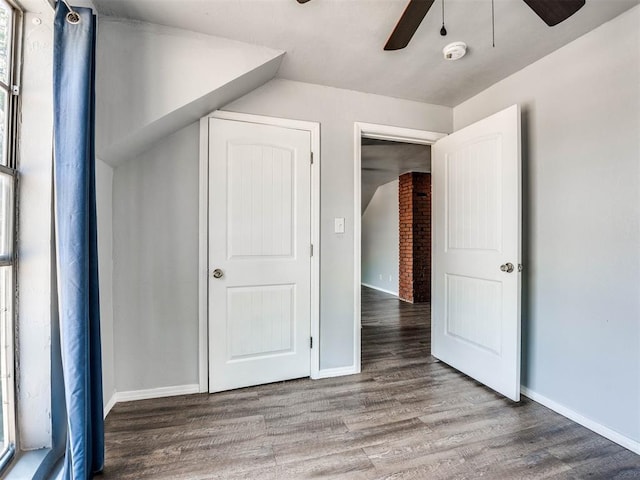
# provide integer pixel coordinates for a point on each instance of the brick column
(405, 221)
(414, 195)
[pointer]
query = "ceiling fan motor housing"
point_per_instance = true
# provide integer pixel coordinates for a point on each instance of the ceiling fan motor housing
(454, 51)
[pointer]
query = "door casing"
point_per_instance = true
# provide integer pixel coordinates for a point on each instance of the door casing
(378, 132)
(203, 240)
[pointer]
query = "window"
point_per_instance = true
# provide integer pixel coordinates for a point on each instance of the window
(9, 16)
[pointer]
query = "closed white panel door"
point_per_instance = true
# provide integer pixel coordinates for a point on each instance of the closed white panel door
(259, 254)
(476, 251)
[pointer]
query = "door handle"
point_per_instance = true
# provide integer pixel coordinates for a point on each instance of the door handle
(217, 273)
(507, 267)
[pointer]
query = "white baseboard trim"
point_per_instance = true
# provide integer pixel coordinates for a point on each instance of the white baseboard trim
(600, 429)
(395, 294)
(157, 392)
(337, 372)
(109, 405)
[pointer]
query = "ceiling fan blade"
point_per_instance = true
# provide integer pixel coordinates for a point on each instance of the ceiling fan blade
(555, 11)
(408, 24)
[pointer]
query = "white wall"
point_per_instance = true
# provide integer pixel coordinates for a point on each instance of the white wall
(35, 321)
(380, 239)
(155, 277)
(581, 132)
(104, 201)
(337, 110)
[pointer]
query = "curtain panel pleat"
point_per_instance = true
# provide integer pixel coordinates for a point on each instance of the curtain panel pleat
(76, 240)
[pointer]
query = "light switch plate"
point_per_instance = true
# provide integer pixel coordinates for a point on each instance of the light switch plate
(338, 225)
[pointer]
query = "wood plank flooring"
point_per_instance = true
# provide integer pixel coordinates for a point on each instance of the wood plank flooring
(406, 416)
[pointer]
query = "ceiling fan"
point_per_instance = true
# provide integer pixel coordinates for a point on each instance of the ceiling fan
(551, 11)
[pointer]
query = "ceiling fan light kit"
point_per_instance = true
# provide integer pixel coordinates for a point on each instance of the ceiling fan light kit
(454, 51)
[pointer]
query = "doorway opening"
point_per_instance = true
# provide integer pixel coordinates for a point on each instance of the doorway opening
(396, 218)
(395, 250)
(392, 231)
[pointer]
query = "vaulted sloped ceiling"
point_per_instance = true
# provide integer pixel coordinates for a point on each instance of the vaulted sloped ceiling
(384, 161)
(340, 43)
(152, 81)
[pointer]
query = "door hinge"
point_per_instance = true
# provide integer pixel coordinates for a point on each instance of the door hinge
(15, 90)
(311, 250)
(311, 158)
(310, 342)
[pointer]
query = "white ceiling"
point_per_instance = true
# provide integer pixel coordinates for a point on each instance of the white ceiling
(340, 43)
(384, 161)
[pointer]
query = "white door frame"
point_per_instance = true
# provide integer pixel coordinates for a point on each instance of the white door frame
(203, 256)
(378, 132)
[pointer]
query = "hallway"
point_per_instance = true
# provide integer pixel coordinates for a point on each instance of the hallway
(405, 416)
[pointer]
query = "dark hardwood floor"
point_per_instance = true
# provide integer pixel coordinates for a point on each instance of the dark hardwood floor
(406, 416)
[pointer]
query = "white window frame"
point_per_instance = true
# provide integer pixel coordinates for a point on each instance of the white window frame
(7, 349)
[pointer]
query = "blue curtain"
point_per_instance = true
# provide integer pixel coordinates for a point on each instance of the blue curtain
(76, 240)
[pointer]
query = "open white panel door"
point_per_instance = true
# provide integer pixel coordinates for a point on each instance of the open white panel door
(476, 251)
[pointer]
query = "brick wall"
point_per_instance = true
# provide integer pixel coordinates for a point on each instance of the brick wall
(414, 195)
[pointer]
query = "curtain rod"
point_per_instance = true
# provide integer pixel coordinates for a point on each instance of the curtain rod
(72, 16)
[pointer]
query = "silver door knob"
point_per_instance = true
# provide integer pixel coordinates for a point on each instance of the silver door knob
(507, 267)
(217, 273)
